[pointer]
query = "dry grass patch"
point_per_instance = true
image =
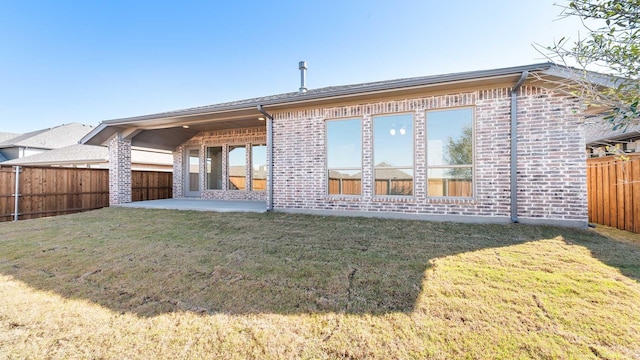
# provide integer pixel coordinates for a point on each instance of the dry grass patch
(131, 283)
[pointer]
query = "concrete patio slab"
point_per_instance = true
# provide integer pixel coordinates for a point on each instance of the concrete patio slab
(201, 205)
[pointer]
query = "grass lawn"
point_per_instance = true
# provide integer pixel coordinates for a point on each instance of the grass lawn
(123, 283)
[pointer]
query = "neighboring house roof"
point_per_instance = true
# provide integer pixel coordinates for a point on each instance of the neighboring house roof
(78, 154)
(167, 125)
(381, 173)
(4, 136)
(390, 174)
(334, 174)
(237, 171)
(73, 154)
(52, 138)
(599, 132)
(2, 158)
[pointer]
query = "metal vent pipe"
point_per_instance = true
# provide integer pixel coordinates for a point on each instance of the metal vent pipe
(302, 65)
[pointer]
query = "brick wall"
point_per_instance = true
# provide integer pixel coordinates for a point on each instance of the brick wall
(551, 168)
(223, 138)
(119, 171)
(551, 164)
(552, 175)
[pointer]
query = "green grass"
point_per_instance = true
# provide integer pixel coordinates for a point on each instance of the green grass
(129, 283)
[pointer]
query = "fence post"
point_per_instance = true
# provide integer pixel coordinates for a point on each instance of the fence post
(17, 195)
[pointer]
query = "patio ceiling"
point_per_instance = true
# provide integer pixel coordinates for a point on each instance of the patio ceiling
(167, 133)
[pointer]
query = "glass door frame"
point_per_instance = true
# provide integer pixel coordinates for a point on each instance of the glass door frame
(188, 192)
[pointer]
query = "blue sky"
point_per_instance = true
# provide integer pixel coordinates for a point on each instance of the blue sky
(87, 61)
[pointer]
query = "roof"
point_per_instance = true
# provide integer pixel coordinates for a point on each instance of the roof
(155, 126)
(332, 91)
(51, 138)
(4, 136)
(69, 154)
(78, 154)
(600, 132)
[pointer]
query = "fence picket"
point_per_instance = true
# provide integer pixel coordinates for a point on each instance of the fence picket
(613, 192)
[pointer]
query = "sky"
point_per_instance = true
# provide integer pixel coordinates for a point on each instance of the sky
(87, 61)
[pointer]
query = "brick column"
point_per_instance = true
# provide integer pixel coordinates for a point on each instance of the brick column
(119, 170)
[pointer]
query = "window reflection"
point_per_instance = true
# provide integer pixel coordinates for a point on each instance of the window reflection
(237, 166)
(344, 157)
(450, 152)
(259, 167)
(214, 168)
(393, 153)
(194, 170)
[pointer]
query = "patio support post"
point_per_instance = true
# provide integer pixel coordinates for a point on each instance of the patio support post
(119, 170)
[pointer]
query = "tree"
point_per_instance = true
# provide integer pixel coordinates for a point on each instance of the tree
(460, 152)
(612, 47)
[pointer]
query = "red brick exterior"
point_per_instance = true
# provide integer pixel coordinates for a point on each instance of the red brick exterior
(223, 138)
(551, 170)
(551, 160)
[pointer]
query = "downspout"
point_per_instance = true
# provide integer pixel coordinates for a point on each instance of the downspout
(514, 146)
(269, 157)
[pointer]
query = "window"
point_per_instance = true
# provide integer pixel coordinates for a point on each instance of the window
(237, 166)
(450, 153)
(214, 168)
(393, 154)
(258, 167)
(344, 157)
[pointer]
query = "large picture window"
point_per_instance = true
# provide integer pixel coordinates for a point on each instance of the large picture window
(214, 168)
(450, 153)
(393, 153)
(344, 157)
(258, 167)
(237, 166)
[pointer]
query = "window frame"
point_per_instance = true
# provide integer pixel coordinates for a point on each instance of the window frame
(230, 147)
(326, 156)
(206, 158)
(472, 166)
(413, 156)
(252, 145)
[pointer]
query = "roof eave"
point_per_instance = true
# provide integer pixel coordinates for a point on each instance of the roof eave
(100, 134)
(310, 96)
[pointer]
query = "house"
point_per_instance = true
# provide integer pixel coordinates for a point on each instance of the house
(498, 145)
(4, 136)
(602, 140)
(96, 157)
(35, 142)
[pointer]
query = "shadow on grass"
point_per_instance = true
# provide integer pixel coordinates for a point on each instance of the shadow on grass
(150, 262)
(616, 248)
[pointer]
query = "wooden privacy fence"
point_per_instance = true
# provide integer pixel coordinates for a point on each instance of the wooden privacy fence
(613, 189)
(151, 185)
(50, 191)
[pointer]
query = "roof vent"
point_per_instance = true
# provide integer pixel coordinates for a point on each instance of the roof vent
(302, 65)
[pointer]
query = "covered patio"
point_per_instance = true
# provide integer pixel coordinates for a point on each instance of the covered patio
(221, 152)
(201, 205)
